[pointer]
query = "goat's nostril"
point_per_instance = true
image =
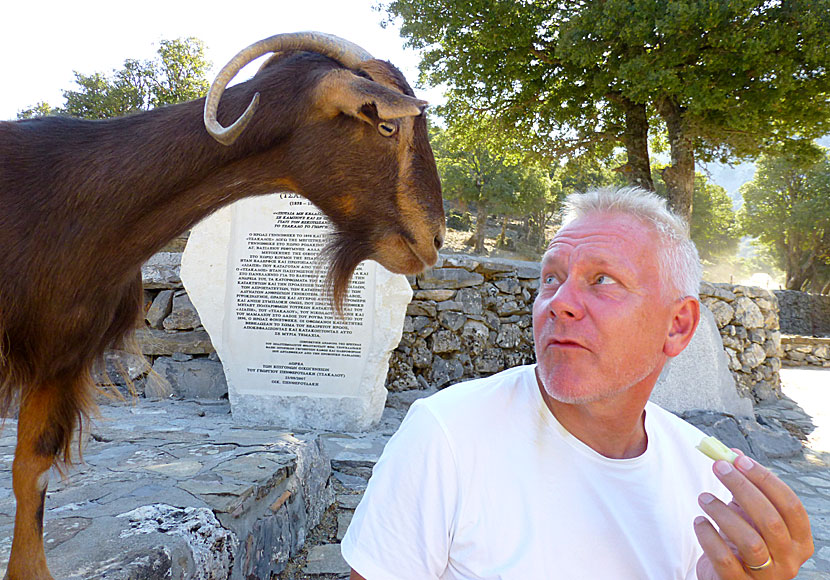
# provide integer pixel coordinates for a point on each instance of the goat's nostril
(439, 241)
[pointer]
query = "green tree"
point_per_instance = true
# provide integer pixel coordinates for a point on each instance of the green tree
(176, 75)
(477, 172)
(720, 78)
(42, 109)
(787, 208)
(534, 197)
(714, 224)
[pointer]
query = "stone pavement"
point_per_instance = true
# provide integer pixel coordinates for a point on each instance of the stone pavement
(175, 489)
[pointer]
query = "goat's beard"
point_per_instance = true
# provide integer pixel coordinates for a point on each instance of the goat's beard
(344, 254)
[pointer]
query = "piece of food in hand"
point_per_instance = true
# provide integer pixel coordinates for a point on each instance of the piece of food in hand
(713, 448)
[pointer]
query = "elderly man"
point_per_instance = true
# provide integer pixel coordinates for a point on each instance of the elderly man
(564, 469)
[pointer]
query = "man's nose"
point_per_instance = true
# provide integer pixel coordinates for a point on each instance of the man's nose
(567, 302)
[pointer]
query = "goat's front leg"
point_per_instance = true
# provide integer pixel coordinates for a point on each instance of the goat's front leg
(45, 424)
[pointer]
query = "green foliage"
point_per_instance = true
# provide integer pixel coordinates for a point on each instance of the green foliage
(787, 208)
(176, 75)
(739, 75)
(475, 170)
(714, 226)
(478, 169)
(42, 109)
(459, 220)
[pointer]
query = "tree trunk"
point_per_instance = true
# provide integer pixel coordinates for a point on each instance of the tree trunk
(680, 175)
(481, 227)
(635, 139)
(501, 242)
(800, 268)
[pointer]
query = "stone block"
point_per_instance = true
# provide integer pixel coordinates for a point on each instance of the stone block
(162, 270)
(161, 343)
(474, 336)
(765, 441)
(120, 367)
(452, 320)
(510, 336)
(421, 308)
(445, 341)
(445, 371)
(449, 278)
(162, 306)
(253, 272)
(470, 300)
(491, 361)
(509, 286)
(183, 315)
(752, 356)
(438, 295)
(748, 314)
(193, 379)
(326, 559)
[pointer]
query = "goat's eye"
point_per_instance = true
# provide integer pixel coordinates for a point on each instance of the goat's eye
(387, 129)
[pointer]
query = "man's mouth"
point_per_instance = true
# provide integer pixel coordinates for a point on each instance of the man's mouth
(565, 343)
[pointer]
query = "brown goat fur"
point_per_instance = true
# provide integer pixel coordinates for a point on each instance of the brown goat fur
(86, 203)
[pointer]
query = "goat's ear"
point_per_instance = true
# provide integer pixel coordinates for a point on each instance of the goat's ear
(342, 91)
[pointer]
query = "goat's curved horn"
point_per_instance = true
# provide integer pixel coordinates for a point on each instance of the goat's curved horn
(346, 53)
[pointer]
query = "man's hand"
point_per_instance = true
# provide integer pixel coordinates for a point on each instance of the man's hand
(764, 531)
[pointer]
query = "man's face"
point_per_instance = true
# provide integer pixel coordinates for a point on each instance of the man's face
(600, 319)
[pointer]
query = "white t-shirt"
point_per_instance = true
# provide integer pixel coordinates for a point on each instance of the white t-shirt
(481, 481)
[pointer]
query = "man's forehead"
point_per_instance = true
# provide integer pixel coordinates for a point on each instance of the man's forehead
(597, 227)
(601, 237)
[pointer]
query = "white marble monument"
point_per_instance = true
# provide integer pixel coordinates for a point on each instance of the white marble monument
(254, 274)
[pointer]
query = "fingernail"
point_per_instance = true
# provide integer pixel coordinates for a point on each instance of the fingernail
(699, 520)
(707, 498)
(723, 467)
(744, 463)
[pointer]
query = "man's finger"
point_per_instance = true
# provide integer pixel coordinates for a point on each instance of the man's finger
(762, 512)
(751, 547)
(780, 495)
(720, 556)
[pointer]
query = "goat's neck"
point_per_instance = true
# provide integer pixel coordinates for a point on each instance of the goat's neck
(157, 182)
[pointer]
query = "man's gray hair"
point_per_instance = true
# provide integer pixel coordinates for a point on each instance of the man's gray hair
(679, 262)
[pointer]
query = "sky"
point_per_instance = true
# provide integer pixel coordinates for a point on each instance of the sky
(44, 42)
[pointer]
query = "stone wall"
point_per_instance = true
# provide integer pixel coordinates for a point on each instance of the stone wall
(747, 318)
(804, 314)
(173, 340)
(805, 351)
(469, 317)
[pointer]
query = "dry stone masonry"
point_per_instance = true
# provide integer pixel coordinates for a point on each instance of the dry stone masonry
(469, 317)
(806, 350)
(747, 318)
(805, 327)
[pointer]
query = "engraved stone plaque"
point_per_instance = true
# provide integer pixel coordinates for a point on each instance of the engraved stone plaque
(254, 273)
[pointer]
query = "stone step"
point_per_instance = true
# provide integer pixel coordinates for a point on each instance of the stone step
(326, 559)
(176, 489)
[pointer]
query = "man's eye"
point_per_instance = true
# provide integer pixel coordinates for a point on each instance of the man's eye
(604, 279)
(550, 279)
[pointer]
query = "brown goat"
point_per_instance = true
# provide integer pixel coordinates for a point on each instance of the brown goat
(83, 204)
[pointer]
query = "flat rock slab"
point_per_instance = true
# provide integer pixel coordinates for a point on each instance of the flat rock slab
(176, 489)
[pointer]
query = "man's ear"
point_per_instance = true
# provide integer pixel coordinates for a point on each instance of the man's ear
(683, 324)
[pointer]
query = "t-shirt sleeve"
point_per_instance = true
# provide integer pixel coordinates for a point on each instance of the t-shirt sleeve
(402, 528)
